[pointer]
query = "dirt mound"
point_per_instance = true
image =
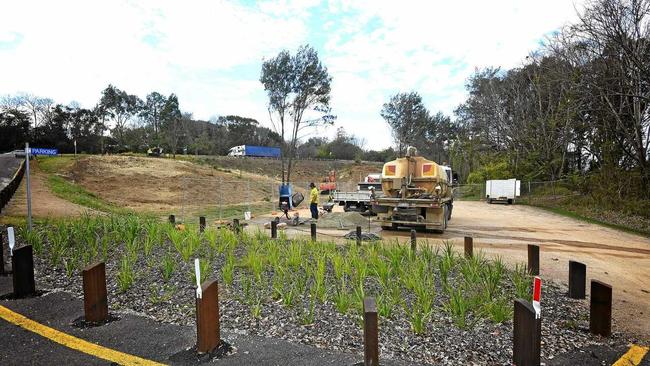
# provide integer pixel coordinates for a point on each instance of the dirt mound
(155, 184)
(342, 220)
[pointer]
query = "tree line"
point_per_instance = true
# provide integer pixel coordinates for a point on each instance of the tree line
(578, 107)
(121, 122)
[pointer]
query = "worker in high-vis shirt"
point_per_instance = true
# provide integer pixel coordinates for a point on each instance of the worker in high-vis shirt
(313, 201)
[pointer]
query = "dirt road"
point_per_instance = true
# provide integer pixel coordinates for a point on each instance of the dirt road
(44, 202)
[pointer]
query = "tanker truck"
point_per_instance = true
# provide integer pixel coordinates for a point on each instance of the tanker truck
(417, 194)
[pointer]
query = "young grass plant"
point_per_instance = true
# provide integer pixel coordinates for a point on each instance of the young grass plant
(168, 265)
(521, 281)
(458, 307)
(499, 310)
(34, 238)
(125, 274)
(342, 298)
(228, 270)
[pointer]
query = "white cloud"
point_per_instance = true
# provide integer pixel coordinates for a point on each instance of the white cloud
(208, 52)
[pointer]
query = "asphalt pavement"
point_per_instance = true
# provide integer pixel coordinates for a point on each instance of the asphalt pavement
(8, 166)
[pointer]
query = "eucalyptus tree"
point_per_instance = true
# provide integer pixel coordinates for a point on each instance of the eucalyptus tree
(298, 87)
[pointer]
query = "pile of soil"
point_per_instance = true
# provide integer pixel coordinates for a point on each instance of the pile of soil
(342, 220)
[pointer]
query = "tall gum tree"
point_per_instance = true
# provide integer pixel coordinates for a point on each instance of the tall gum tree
(298, 87)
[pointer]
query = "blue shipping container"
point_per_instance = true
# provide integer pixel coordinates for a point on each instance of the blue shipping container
(263, 151)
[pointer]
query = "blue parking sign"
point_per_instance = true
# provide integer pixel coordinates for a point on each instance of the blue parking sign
(43, 151)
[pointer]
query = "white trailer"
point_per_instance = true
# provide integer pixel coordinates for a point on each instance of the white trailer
(505, 190)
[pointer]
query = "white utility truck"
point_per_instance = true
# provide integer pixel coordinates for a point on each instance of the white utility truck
(361, 199)
(504, 190)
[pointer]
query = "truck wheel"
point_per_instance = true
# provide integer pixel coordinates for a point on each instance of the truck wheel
(510, 201)
(387, 228)
(346, 208)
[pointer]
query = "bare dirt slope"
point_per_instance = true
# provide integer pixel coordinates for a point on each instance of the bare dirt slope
(303, 171)
(155, 184)
(612, 256)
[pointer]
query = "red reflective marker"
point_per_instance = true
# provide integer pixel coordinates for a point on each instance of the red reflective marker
(537, 295)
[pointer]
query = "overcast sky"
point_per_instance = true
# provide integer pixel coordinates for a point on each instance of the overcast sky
(210, 53)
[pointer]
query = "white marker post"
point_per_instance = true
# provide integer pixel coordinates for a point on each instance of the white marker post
(537, 295)
(197, 271)
(12, 240)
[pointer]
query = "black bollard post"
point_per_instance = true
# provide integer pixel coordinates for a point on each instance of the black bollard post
(201, 223)
(469, 246)
(577, 280)
(600, 309)
(358, 235)
(23, 271)
(274, 229)
(414, 241)
(370, 333)
(313, 231)
(527, 335)
(172, 219)
(533, 260)
(235, 226)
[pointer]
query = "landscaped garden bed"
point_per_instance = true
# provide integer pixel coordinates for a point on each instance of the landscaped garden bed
(435, 306)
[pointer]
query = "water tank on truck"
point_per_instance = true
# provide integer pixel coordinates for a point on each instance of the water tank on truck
(417, 194)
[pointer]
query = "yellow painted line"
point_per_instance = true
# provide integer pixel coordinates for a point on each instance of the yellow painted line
(74, 342)
(632, 357)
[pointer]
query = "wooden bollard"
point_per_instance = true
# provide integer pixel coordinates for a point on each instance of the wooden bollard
(95, 298)
(358, 235)
(313, 231)
(201, 223)
(172, 219)
(207, 318)
(414, 241)
(235, 226)
(23, 271)
(533, 260)
(577, 280)
(274, 229)
(370, 333)
(527, 335)
(600, 309)
(469, 246)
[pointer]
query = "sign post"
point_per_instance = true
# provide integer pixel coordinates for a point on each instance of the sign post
(29, 189)
(28, 152)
